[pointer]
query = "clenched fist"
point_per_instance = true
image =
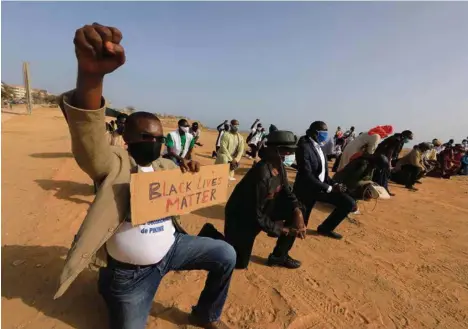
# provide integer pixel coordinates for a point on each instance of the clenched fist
(98, 49)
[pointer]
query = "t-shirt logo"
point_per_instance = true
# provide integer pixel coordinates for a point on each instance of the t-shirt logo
(155, 226)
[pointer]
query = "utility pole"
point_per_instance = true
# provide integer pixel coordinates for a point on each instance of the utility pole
(27, 86)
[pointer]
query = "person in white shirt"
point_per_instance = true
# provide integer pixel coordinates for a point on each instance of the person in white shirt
(138, 257)
(255, 137)
(179, 144)
(313, 183)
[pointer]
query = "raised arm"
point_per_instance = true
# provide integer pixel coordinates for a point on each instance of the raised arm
(98, 53)
(221, 126)
(254, 125)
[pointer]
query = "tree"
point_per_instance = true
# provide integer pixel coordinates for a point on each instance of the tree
(7, 92)
(52, 99)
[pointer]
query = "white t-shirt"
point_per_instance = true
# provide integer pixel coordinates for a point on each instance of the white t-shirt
(257, 136)
(143, 244)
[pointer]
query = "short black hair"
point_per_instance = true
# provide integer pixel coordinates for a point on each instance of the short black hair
(406, 133)
(195, 124)
(132, 119)
(316, 125)
(182, 121)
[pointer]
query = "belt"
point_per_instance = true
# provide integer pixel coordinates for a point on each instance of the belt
(113, 263)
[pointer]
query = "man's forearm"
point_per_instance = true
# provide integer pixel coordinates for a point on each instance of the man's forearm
(174, 154)
(88, 93)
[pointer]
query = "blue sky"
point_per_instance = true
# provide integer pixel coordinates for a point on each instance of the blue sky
(361, 64)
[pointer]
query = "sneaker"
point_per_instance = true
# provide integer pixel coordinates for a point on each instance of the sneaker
(232, 179)
(287, 262)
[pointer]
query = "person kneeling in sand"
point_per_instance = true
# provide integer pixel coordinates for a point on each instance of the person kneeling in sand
(231, 149)
(357, 175)
(264, 201)
(136, 259)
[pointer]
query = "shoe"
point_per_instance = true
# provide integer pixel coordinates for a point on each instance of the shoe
(287, 262)
(209, 231)
(194, 320)
(412, 188)
(329, 234)
(232, 179)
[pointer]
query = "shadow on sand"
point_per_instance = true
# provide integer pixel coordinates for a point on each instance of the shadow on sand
(57, 155)
(31, 273)
(214, 212)
(67, 190)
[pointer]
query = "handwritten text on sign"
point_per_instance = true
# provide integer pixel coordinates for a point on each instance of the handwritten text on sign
(170, 192)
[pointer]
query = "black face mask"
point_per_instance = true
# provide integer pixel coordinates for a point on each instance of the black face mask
(145, 153)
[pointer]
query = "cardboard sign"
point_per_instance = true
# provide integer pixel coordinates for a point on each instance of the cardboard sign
(170, 192)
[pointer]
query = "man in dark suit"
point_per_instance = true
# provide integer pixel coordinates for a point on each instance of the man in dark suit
(314, 184)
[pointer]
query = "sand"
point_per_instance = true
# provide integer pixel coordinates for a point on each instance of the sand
(401, 265)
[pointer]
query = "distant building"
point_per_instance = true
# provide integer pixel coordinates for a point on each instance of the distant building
(19, 92)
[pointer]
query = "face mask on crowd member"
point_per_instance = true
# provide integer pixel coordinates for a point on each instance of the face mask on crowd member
(280, 144)
(144, 136)
(184, 126)
(234, 126)
(318, 131)
(407, 136)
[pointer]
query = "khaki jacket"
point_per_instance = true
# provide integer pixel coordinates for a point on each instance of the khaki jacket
(109, 166)
(413, 158)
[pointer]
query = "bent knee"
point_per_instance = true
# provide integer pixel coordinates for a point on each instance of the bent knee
(226, 254)
(349, 203)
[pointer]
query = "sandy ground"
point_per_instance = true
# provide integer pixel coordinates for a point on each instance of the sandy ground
(402, 265)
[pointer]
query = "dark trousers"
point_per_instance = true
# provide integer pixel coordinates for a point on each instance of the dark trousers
(413, 173)
(215, 153)
(343, 203)
(243, 242)
(381, 177)
(408, 175)
(129, 290)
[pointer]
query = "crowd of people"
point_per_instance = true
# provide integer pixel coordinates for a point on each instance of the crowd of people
(134, 259)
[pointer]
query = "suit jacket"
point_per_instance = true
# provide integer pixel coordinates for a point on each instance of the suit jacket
(309, 167)
(109, 166)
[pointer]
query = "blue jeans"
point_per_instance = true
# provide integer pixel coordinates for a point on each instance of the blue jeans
(129, 293)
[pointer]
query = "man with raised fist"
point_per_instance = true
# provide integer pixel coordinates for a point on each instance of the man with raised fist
(136, 258)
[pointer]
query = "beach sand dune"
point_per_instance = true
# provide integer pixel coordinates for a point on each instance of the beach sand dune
(401, 265)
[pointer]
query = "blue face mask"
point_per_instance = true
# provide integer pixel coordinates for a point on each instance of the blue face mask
(322, 136)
